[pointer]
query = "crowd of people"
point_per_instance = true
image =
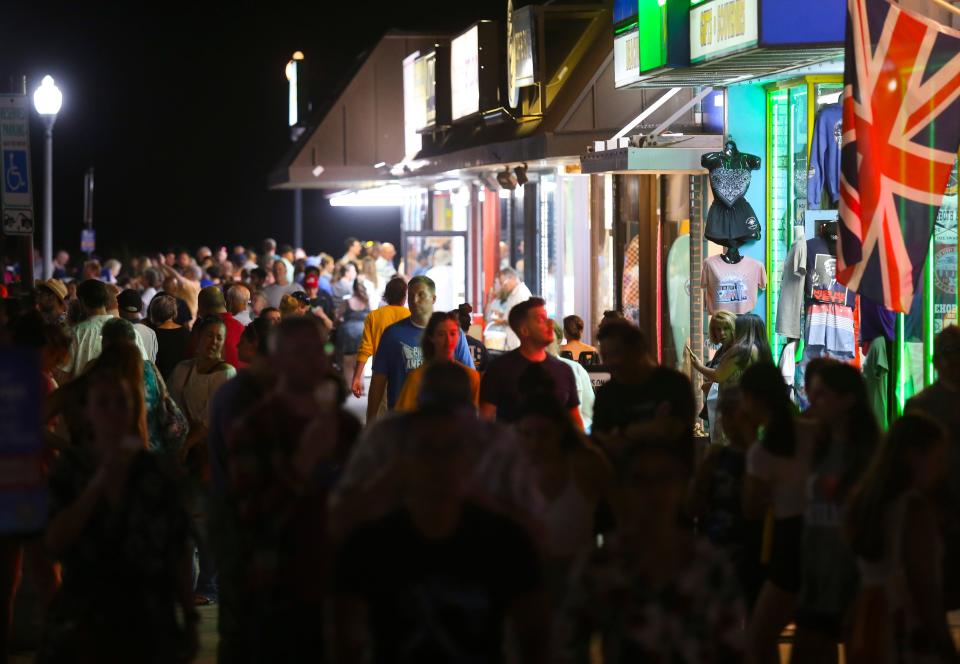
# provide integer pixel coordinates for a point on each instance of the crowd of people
(491, 507)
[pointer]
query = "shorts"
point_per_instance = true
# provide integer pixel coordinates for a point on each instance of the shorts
(732, 226)
(785, 556)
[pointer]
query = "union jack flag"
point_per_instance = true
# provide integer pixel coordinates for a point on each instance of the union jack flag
(901, 131)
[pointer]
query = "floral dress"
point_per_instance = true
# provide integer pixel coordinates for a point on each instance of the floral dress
(696, 618)
(118, 598)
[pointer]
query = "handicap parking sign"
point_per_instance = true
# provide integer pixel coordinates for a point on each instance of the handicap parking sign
(15, 172)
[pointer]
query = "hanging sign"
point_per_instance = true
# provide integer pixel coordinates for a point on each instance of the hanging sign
(722, 27)
(16, 192)
(521, 67)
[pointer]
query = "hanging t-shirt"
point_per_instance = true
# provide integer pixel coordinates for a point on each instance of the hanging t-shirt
(790, 304)
(822, 285)
(732, 287)
(399, 353)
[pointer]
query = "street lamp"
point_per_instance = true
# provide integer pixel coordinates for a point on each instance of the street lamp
(47, 99)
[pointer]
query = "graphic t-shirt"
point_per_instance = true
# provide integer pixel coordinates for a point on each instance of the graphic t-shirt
(732, 287)
(438, 599)
(399, 353)
(822, 285)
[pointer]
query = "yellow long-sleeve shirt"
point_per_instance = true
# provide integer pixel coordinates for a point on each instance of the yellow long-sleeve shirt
(375, 323)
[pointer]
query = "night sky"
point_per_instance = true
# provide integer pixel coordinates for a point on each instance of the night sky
(181, 109)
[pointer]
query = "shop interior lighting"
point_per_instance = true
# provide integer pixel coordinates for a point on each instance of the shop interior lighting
(318, 171)
(521, 174)
(829, 98)
(447, 185)
(390, 195)
(506, 179)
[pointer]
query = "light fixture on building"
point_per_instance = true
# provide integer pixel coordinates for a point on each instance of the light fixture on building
(521, 173)
(391, 195)
(506, 179)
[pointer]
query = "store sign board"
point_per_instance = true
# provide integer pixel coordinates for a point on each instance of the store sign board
(465, 74)
(778, 23)
(626, 58)
(521, 55)
(722, 27)
(16, 192)
(414, 106)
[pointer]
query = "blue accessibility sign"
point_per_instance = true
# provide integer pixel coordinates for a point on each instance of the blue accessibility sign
(15, 172)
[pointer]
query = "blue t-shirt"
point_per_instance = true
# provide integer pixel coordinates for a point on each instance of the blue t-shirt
(399, 353)
(324, 284)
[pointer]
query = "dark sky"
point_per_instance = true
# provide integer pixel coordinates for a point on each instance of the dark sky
(181, 109)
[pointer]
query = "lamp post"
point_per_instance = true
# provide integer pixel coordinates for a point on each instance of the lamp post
(47, 99)
(293, 72)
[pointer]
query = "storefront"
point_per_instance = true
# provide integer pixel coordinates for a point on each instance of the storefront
(496, 185)
(778, 89)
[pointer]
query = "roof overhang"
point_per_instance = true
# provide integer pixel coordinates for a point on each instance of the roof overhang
(682, 158)
(759, 63)
(338, 177)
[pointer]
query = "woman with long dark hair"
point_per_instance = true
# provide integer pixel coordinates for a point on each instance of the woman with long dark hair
(846, 436)
(439, 344)
(892, 528)
(778, 464)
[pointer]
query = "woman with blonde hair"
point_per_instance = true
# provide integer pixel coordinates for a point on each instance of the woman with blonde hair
(371, 281)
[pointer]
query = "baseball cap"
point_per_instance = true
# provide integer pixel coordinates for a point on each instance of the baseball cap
(55, 286)
(311, 281)
(129, 300)
(301, 297)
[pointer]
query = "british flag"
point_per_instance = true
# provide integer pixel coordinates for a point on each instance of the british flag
(901, 132)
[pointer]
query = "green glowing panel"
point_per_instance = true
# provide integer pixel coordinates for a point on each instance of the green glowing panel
(653, 34)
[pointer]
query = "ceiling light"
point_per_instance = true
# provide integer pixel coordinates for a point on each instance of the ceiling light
(506, 179)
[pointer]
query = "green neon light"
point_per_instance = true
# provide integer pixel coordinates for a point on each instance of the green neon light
(629, 27)
(901, 364)
(928, 309)
(652, 19)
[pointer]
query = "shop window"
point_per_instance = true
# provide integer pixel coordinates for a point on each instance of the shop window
(548, 237)
(443, 258)
(795, 109)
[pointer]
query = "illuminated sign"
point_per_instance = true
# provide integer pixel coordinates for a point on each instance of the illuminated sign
(626, 58)
(414, 106)
(521, 67)
(722, 27)
(475, 85)
(465, 74)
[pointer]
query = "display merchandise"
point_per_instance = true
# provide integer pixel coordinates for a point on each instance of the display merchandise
(732, 285)
(824, 172)
(731, 220)
(792, 283)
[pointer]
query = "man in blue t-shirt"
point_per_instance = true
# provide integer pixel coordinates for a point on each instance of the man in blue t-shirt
(399, 351)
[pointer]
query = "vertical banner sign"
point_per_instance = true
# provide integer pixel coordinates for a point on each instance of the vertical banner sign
(23, 492)
(16, 193)
(465, 74)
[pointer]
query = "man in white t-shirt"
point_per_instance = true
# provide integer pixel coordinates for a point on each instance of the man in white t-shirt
(281, 286)
(130, 307)
(513, 292)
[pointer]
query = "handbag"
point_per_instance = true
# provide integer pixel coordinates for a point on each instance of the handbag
(174, 426)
